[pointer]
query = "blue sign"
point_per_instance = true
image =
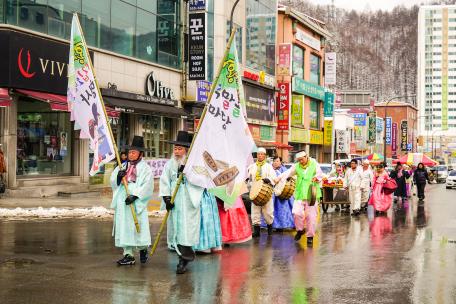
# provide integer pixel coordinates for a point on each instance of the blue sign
(360, 119)
(409, 147)
(379, 124)
(197, 5)
(203, 88)
(389, 123)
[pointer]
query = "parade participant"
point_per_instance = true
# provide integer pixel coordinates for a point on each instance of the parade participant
(234, 222)
(123, 157)
(338, 173)
(379, 199)
(261, 170)
(352, 182)
(183, 228)
(308, 174)
(366, 178)
(283, 216)
(420, 176)
(400, 175)
(408, 181)
(210, 232)
(140, 189)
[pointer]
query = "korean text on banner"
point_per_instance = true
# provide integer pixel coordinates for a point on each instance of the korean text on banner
(372, 136)
(222, 149)
(388, 130)
(330, 68)
(85, 102)
(329, 104)
(283, 106)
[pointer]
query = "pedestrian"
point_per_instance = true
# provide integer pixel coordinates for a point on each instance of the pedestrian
(408, 181)
(366, 179)
(400, 175)
(283, 216)
(262, 170)
(307, 194)
(2, 171)
(183, 228)
(234, 222)
(123, 157)
(380, 200)
(338, 173)
(140, 189)
(210, 232)
(352, 182)
(420, 177)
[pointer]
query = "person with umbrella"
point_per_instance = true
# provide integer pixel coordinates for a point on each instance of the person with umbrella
(420, 176)
(400, 175)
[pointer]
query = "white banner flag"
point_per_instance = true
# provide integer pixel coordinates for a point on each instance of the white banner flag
(85, 103)
(222, 149)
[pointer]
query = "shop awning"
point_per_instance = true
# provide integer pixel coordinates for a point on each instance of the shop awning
(59, 102)
(131, 106)
(271, 145)
(5, 98)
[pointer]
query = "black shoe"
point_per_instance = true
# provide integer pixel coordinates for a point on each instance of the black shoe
(298, 235)
(256, 231)
(269, 229)
(337, 208)
(279, 230)
(310, 240)
(126, 260)
(143, 255)
(182, 266)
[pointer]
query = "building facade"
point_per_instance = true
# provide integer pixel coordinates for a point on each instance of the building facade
(301, 52)
(136, 51)
(436, 89)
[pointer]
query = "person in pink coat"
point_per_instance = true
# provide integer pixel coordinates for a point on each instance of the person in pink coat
(380, 200)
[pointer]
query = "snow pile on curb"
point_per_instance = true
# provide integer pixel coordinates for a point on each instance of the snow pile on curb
(46, 213)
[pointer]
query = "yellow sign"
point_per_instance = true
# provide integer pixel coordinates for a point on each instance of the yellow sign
(262, 77)
(328, 133)
(305, 136)
(316, 137)
(298, 135)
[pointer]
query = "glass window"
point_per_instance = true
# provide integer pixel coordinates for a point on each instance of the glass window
(156, 131)
(44, 140)
(96, 22)
(27, 14)
(146, 42)
(60, 15)
(168, 34)
(237, 37)
(148, 5)
(122, 27)
(298, 61)
(314, 69)
(314, 114)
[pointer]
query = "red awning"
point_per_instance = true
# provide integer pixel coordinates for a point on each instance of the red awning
(59, 102)
(270, 144)
(5, 98)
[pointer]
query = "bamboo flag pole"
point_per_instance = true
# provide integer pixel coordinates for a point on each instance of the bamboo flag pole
(181, 175)
(119, 163)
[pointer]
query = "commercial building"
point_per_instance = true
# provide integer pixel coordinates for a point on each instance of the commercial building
(137, 56)
(436, 83)
(301, 43)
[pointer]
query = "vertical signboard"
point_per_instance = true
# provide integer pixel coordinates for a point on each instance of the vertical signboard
(342, 144)
(297, 106)
(330, 68)
(283, 106)
(372, 136)
(202, 90)
(284, 64)
(360, 119)
(327, 136)
(329, 104)
(394, 139)
(388, 130)
(197, 46)
(404, 135)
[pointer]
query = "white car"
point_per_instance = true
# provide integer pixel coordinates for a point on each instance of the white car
(451, 180)
(441, 173)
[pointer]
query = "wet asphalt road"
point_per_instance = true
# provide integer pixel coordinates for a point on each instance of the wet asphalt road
(407, 257)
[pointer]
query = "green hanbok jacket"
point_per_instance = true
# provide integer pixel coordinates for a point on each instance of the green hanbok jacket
(184, 220)
(124, 230)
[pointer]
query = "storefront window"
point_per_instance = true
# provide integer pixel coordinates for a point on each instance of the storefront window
(122, 28)
(44, 140)
(314, 69)
(298, 61)
(156, 131)
(314, 114)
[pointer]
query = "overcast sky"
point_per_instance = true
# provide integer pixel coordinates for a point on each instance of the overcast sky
(374, 5)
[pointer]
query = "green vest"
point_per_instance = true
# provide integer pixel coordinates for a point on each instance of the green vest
(304, 181)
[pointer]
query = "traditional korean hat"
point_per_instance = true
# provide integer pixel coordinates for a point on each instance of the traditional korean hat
(301, 155)
(366, 162)
(183, 139)
(261, 150)
(137, 144)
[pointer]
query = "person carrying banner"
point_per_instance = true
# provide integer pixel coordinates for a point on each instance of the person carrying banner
(262, 170)
(352, 182)
(307, 194)
(185, 214)
(140, 189)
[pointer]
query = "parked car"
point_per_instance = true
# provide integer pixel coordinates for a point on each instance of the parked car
(441, 173)
(451, 180)
(326, 168)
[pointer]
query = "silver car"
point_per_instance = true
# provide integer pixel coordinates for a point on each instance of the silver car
(451, 180)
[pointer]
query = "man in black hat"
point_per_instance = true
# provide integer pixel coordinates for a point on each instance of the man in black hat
(140, 188)
(184, 221)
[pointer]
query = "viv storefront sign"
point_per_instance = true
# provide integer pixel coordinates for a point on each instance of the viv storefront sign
(283, 106)
(29, 62)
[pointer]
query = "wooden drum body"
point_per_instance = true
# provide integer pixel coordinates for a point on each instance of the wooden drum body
(285, 190)
(261, 193)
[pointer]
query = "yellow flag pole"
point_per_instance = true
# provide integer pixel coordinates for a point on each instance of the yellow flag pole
(119, 163)
(181, 175)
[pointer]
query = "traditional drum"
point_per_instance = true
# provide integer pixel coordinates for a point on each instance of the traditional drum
(312, 195)
(261, 193)
(285, 189)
